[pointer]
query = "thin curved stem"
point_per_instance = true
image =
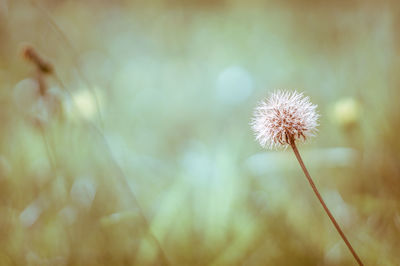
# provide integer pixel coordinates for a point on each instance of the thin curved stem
(314, 188)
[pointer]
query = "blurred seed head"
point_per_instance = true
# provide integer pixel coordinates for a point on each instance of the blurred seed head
(82, 105)
(346, 112)
(282, 116)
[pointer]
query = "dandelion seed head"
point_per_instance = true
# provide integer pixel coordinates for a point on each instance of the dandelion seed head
(282, 116)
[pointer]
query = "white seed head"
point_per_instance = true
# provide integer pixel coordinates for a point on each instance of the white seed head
(283, 117)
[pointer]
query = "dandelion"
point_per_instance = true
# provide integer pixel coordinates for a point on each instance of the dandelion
(281, 120)
(283, 116)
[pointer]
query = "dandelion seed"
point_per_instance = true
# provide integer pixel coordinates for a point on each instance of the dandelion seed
(284, 115)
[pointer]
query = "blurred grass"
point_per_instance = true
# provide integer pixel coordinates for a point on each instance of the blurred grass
(176, 83)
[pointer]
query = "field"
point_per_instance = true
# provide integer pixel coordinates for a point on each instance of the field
(126, 140)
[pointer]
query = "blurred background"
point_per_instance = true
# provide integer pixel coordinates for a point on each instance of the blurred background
(134, 147)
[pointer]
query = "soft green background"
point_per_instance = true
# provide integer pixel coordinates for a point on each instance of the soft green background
(154, 104)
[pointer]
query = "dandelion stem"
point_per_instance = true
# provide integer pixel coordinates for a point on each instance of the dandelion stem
(296, 152)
